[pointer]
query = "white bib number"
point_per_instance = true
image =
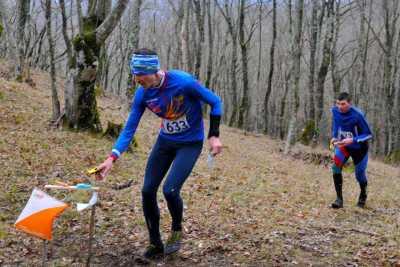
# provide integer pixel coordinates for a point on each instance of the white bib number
(344, 134)
(176, 126)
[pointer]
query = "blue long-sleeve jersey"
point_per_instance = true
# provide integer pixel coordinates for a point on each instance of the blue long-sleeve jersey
(351, 124)
(178, 102)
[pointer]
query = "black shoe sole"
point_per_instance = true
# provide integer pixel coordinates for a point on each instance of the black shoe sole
(154, 257)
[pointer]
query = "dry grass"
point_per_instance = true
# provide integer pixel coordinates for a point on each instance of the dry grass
(257, 207)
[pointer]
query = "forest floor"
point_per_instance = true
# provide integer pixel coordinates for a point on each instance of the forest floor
(257, 206)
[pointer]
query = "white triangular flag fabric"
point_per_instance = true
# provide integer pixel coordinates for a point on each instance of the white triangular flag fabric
(92, 201)
(39, 213)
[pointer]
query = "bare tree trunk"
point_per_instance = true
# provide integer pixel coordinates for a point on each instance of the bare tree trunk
(154, 29)
(232, 28)
(71, 22)
(391, 15)
(222, 81)
(133, 43)
(180, 13)
(394, 129)
(80, 16)
(10, 45)
(326, 60)
(22, 14)
(287, 78)
(396, 148)
(336, 77)
(281, 117)
(184, 35)
(64, 31)
(121, 65)
(2, 15)
(55, 101)
(271, 67)
(199, 9)
(92, 7)
(259, 103)
(134, 39)
(244, 110)
(38, 39)
(313, 50)
(363, 51)
(298, 48)
(210, 45)
(102, 10)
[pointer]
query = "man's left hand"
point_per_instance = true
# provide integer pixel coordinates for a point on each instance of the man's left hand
(215, 145)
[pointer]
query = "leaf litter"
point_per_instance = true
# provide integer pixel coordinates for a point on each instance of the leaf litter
(255, 207)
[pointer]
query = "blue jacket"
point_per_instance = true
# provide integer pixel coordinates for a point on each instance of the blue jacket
(178, 102)
(351, 124)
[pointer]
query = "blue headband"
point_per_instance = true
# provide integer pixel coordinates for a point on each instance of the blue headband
(144, 64)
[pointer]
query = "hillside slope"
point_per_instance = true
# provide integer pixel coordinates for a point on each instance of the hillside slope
(256, 207)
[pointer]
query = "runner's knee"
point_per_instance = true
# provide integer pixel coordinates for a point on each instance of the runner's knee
(148, 191)
(170, 192)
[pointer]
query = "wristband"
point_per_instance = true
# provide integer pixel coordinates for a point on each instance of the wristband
(214, 125)
(113, 157)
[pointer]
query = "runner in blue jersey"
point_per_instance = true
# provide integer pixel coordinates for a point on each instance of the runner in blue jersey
(177, 98)
(350, 135)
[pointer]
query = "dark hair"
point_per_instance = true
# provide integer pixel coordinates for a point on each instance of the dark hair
(344, 96)
(145, 51)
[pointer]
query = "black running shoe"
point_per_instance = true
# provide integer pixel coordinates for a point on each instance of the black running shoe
(363, 195)
(174, 242)
(362, 199)
(153, 251)
(338, 204)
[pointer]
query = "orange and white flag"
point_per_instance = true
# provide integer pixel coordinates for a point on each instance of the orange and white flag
(39, 213)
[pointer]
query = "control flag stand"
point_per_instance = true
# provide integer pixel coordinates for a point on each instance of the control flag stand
(38, 216)
(91, 233)
(80, 207)
(41, 210)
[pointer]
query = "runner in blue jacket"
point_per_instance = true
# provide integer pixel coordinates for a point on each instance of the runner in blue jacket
(177, 98)
(350, 135)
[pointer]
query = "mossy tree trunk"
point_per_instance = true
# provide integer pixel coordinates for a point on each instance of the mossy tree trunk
(80, 99)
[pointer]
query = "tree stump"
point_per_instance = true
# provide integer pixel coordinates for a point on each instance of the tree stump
(114, 130)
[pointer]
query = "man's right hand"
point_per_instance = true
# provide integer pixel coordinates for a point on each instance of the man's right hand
(334, 140)
(104, 168)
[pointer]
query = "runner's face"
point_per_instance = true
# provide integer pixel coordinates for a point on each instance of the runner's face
(146, 81)
(343, 105)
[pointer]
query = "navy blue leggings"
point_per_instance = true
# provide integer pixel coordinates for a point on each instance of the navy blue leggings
(183, 157)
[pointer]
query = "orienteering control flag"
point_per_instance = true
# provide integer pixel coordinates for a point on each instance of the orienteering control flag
(39, 213)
